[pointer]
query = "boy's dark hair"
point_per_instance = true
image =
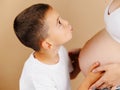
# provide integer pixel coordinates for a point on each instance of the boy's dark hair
(30, 27)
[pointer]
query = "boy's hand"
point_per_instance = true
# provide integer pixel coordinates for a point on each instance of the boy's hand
(74, 59)
(91, 77)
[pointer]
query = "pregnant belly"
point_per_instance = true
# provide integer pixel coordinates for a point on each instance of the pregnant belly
(100, 48)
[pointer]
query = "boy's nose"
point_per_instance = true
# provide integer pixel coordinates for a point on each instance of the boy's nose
(66, 22)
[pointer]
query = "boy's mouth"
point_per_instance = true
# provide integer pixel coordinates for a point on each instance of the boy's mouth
(71, 28)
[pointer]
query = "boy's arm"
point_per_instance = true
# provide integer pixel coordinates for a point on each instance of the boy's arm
(91, 78)
(75, 64)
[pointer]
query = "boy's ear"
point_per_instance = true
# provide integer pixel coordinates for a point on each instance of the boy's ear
(46, 44)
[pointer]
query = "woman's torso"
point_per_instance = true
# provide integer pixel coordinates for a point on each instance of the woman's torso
(103, 47)
(100, 48)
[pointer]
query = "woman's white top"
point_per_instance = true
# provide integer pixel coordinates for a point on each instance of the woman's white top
(112, 22)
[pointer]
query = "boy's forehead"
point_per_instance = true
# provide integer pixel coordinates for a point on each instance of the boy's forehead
(52, 14)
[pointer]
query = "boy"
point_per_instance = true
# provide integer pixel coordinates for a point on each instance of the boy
(41, 28)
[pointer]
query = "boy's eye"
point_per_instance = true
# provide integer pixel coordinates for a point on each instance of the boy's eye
(59, 22)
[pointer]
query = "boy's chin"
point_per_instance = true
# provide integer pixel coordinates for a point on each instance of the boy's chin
(69, 39)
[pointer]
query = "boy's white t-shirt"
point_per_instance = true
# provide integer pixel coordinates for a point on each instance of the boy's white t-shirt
(39, 76)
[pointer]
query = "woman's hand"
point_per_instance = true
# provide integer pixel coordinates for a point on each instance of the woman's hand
(91, 77)
(111, 77)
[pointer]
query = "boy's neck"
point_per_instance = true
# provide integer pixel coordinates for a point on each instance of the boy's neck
(48, 56)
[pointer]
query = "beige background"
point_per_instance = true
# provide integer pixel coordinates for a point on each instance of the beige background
(86, 17)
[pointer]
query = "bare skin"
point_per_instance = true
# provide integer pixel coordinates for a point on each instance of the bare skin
(91, 77)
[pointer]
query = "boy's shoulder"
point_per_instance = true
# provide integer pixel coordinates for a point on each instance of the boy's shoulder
(33, 67)
(32, 64)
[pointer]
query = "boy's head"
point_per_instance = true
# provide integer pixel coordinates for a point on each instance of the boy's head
(40, 26)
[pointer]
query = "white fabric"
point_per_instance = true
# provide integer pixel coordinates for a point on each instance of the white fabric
(39, 76)
(112, 22)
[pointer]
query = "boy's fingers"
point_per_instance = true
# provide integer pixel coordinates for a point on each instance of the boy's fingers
(101, 68)
(105, 85)
(113, 88)
(97, 84)
(116, 87)
(96, 64)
